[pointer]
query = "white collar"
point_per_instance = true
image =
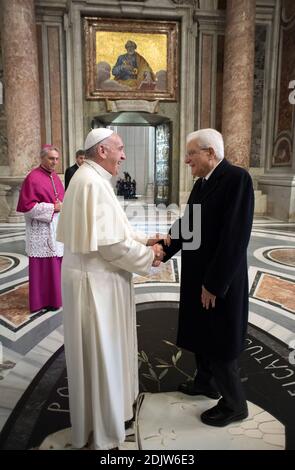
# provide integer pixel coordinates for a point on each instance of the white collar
(99, 169)
(210, 173)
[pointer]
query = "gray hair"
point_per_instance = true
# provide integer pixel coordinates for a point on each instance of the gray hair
(48, 148)
(209, 138)
(91, 152)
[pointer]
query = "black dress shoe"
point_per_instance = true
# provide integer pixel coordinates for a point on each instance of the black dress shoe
(190, 388)
(51, 309)
(216, 416)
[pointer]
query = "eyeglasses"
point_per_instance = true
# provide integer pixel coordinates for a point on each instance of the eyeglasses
(193, 153)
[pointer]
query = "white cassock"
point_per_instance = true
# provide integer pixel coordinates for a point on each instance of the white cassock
(101, 253)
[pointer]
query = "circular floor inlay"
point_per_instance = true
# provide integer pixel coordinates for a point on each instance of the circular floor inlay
(284, 256)
(12, 263)
(5, 263)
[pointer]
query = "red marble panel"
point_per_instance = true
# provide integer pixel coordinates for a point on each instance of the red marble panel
(283, 255)
(219, 82)
(4, 264)
(41, 83)
(55, 89)
(15, 305)
(206, 67)
(276, 290)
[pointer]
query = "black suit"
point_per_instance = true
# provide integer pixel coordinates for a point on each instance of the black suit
(69, 173)
(217, 335)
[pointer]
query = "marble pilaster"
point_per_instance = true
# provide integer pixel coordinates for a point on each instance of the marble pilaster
(238, 80)
(21, 85)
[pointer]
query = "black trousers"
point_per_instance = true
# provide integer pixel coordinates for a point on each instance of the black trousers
(223, 376)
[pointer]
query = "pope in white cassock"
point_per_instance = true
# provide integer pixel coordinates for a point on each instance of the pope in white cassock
(101, 253)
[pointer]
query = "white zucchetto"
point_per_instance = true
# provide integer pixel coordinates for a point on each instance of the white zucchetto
(96, 135)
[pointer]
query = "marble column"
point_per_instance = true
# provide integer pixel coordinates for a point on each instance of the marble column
(21, 81)
(238, 80)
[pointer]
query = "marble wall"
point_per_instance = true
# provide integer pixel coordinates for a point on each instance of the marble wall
(210, 91)
(51, 51)
(3, 130)
(278, 181)
(66, 115)
(181, 112)
(219, 81)
(207, 71)
(283, 150)
(258, 95)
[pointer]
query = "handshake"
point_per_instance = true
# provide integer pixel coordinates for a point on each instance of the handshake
(157, 248)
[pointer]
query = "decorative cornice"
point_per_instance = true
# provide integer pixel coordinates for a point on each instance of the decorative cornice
(194, 3)
(277, 179)
(132, 105)
(56, 4)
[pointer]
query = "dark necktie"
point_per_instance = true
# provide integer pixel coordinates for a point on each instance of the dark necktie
(203, 183)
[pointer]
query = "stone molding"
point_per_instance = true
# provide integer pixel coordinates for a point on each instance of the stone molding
(132, 105)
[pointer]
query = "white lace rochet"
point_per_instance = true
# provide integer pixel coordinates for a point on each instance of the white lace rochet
(41, 223)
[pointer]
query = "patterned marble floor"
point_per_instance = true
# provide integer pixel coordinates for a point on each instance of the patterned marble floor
(28, 341)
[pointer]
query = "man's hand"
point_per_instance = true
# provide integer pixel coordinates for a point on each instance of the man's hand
(156, 238)
(158, 255)
(207, 298)
(57, 206)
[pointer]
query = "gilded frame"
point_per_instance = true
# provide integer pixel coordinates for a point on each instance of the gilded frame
(155, 76)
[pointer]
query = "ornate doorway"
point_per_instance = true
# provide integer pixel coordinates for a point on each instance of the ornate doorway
(154, 159)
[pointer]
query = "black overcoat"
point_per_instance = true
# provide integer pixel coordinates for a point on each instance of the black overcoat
(70, 173)
(220, 264)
